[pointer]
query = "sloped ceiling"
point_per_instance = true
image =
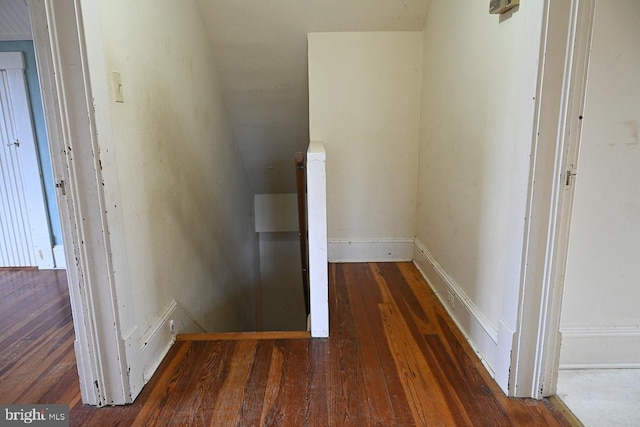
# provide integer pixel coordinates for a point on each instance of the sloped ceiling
(261, 53)
(14, 20)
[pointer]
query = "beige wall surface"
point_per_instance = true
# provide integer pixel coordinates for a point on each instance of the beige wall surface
(479, 86)
(602, 286)
(364, 105)
(187, 207)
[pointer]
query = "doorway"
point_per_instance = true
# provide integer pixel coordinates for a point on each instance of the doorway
(110, 365)
(29, 224)
(600, 322)
(58, 46)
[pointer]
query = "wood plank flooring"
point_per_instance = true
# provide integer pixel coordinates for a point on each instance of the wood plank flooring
(394, 358)
(37, 362)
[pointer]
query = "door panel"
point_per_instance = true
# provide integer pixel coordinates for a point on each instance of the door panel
(25, 238)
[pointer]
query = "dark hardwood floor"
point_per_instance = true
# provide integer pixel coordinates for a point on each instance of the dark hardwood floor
(394, 358)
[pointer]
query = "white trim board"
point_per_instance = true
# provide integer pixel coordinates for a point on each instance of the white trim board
(559, 108)
(477, 329)
(11, 61)
(370, 250)
(600, 348)
(317, 228)
(59, 259)
(158, 339)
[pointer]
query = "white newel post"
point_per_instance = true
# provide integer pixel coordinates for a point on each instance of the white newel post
(317, 218)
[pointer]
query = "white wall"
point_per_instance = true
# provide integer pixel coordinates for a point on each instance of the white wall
(186, 206)
(600, 317)
(478, 96)
(364, 105)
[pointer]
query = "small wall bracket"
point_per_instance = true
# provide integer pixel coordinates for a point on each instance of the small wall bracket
(501, 6)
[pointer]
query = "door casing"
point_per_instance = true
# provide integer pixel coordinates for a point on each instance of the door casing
(109, 366)
(563, 76)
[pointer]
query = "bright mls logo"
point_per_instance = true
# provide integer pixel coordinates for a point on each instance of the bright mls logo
(37, 415)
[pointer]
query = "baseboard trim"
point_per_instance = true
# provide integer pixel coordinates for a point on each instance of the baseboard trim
(480, 334)
(183, 320)
(156, 342)
(370, 250)
(59, 260)
(507, 341)
(600, 348)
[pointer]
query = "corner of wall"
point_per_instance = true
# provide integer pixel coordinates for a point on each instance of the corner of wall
(370, 250)
(158, 339)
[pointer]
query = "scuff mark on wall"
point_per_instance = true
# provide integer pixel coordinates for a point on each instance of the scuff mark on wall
(633, 132)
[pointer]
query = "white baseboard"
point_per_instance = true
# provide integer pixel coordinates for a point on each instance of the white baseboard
(482, 336)
(507, 340)
(600, 348)
(370, 250)
(158, 339)
(184, 322)
(59, 260)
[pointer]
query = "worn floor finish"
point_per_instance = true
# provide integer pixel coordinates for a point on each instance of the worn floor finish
(394, 358)
(37, 362)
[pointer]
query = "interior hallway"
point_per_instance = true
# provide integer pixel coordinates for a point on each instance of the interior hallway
(394, 358)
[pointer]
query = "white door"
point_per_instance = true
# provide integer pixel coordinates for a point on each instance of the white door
(25, 238)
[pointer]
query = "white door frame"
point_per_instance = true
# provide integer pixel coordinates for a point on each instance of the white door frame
(102, 353)
(563, 78)
(41, 250)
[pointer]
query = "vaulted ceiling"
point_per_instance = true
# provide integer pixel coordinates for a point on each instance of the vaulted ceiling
(260, 48)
